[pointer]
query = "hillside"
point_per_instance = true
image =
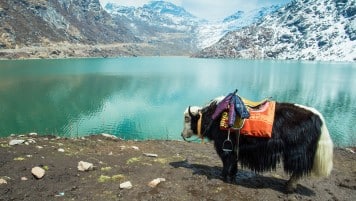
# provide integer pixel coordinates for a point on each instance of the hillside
(33, 22)
(304, 30)
(61, 29)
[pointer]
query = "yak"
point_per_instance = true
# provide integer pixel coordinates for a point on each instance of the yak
(299, 139)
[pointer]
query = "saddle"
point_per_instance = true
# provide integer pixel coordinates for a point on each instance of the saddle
(254, 104)
(248, 117)
(260, 121)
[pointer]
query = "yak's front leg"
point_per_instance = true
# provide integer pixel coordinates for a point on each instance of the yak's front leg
(229, 166)
(228, 158)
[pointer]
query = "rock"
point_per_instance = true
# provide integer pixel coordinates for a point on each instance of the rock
(3, 181)
(16, 142)
(31, 141)
(126, 185)
(61, 150)
(24, 179)
(33, 134)
(85, 166)
(150, 155)
(109, 136)
(350, 150)
(60, 194)
(135, 148)
(38, 172)
(155, 182)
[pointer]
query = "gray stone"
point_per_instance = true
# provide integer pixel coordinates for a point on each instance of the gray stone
(155, 182)
(109, 136)
(150, 155)
(16, 142)
(85, 166)
(3, 181)
(126, 185)
(38, 172)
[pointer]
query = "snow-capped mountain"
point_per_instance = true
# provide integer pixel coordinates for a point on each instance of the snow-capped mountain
(159, 23)
(303, 29)
(156, 14)
(159, 18)
(211, 32)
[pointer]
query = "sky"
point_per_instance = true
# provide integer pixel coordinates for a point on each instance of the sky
(207, 9)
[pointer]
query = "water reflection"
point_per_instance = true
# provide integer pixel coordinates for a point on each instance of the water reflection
(140, 98)
(48, 104)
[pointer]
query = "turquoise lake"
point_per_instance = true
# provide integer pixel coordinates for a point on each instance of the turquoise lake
(144, 97)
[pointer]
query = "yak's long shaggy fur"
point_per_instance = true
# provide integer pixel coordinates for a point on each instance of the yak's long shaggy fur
(299, 139)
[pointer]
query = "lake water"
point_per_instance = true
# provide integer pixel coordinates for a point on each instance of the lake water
(144, 97)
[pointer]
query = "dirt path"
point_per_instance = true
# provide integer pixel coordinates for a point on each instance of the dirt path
(190, 170)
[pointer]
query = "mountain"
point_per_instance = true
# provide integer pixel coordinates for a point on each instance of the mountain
(303, 29)
(209, 33)
(159, 23)
(39, 22)
(156, 14)
(76, 28)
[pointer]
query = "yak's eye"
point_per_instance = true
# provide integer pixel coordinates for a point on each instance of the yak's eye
(187, 119)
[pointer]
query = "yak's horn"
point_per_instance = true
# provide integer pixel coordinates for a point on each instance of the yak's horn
(190, 113)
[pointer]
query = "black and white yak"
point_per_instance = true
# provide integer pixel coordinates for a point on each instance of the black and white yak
(300, 139)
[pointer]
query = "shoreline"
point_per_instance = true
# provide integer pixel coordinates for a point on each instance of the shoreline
(114, 137)
(65, 50)
(184, 171)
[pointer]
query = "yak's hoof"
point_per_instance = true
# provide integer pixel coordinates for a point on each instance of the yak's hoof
(290, 187)
(230, 180)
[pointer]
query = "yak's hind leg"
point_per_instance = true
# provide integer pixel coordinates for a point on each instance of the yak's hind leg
(292, 183)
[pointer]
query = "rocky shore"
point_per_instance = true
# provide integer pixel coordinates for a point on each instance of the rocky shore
(102, 167)
(68, 50)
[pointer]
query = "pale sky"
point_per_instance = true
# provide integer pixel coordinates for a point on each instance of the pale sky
(207, 9)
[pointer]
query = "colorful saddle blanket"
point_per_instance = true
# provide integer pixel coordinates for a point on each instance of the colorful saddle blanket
(259, 124)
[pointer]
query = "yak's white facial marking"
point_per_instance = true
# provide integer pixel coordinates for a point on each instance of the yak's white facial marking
(187, 130)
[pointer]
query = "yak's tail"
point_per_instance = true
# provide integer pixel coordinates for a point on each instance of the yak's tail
(323, 159)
